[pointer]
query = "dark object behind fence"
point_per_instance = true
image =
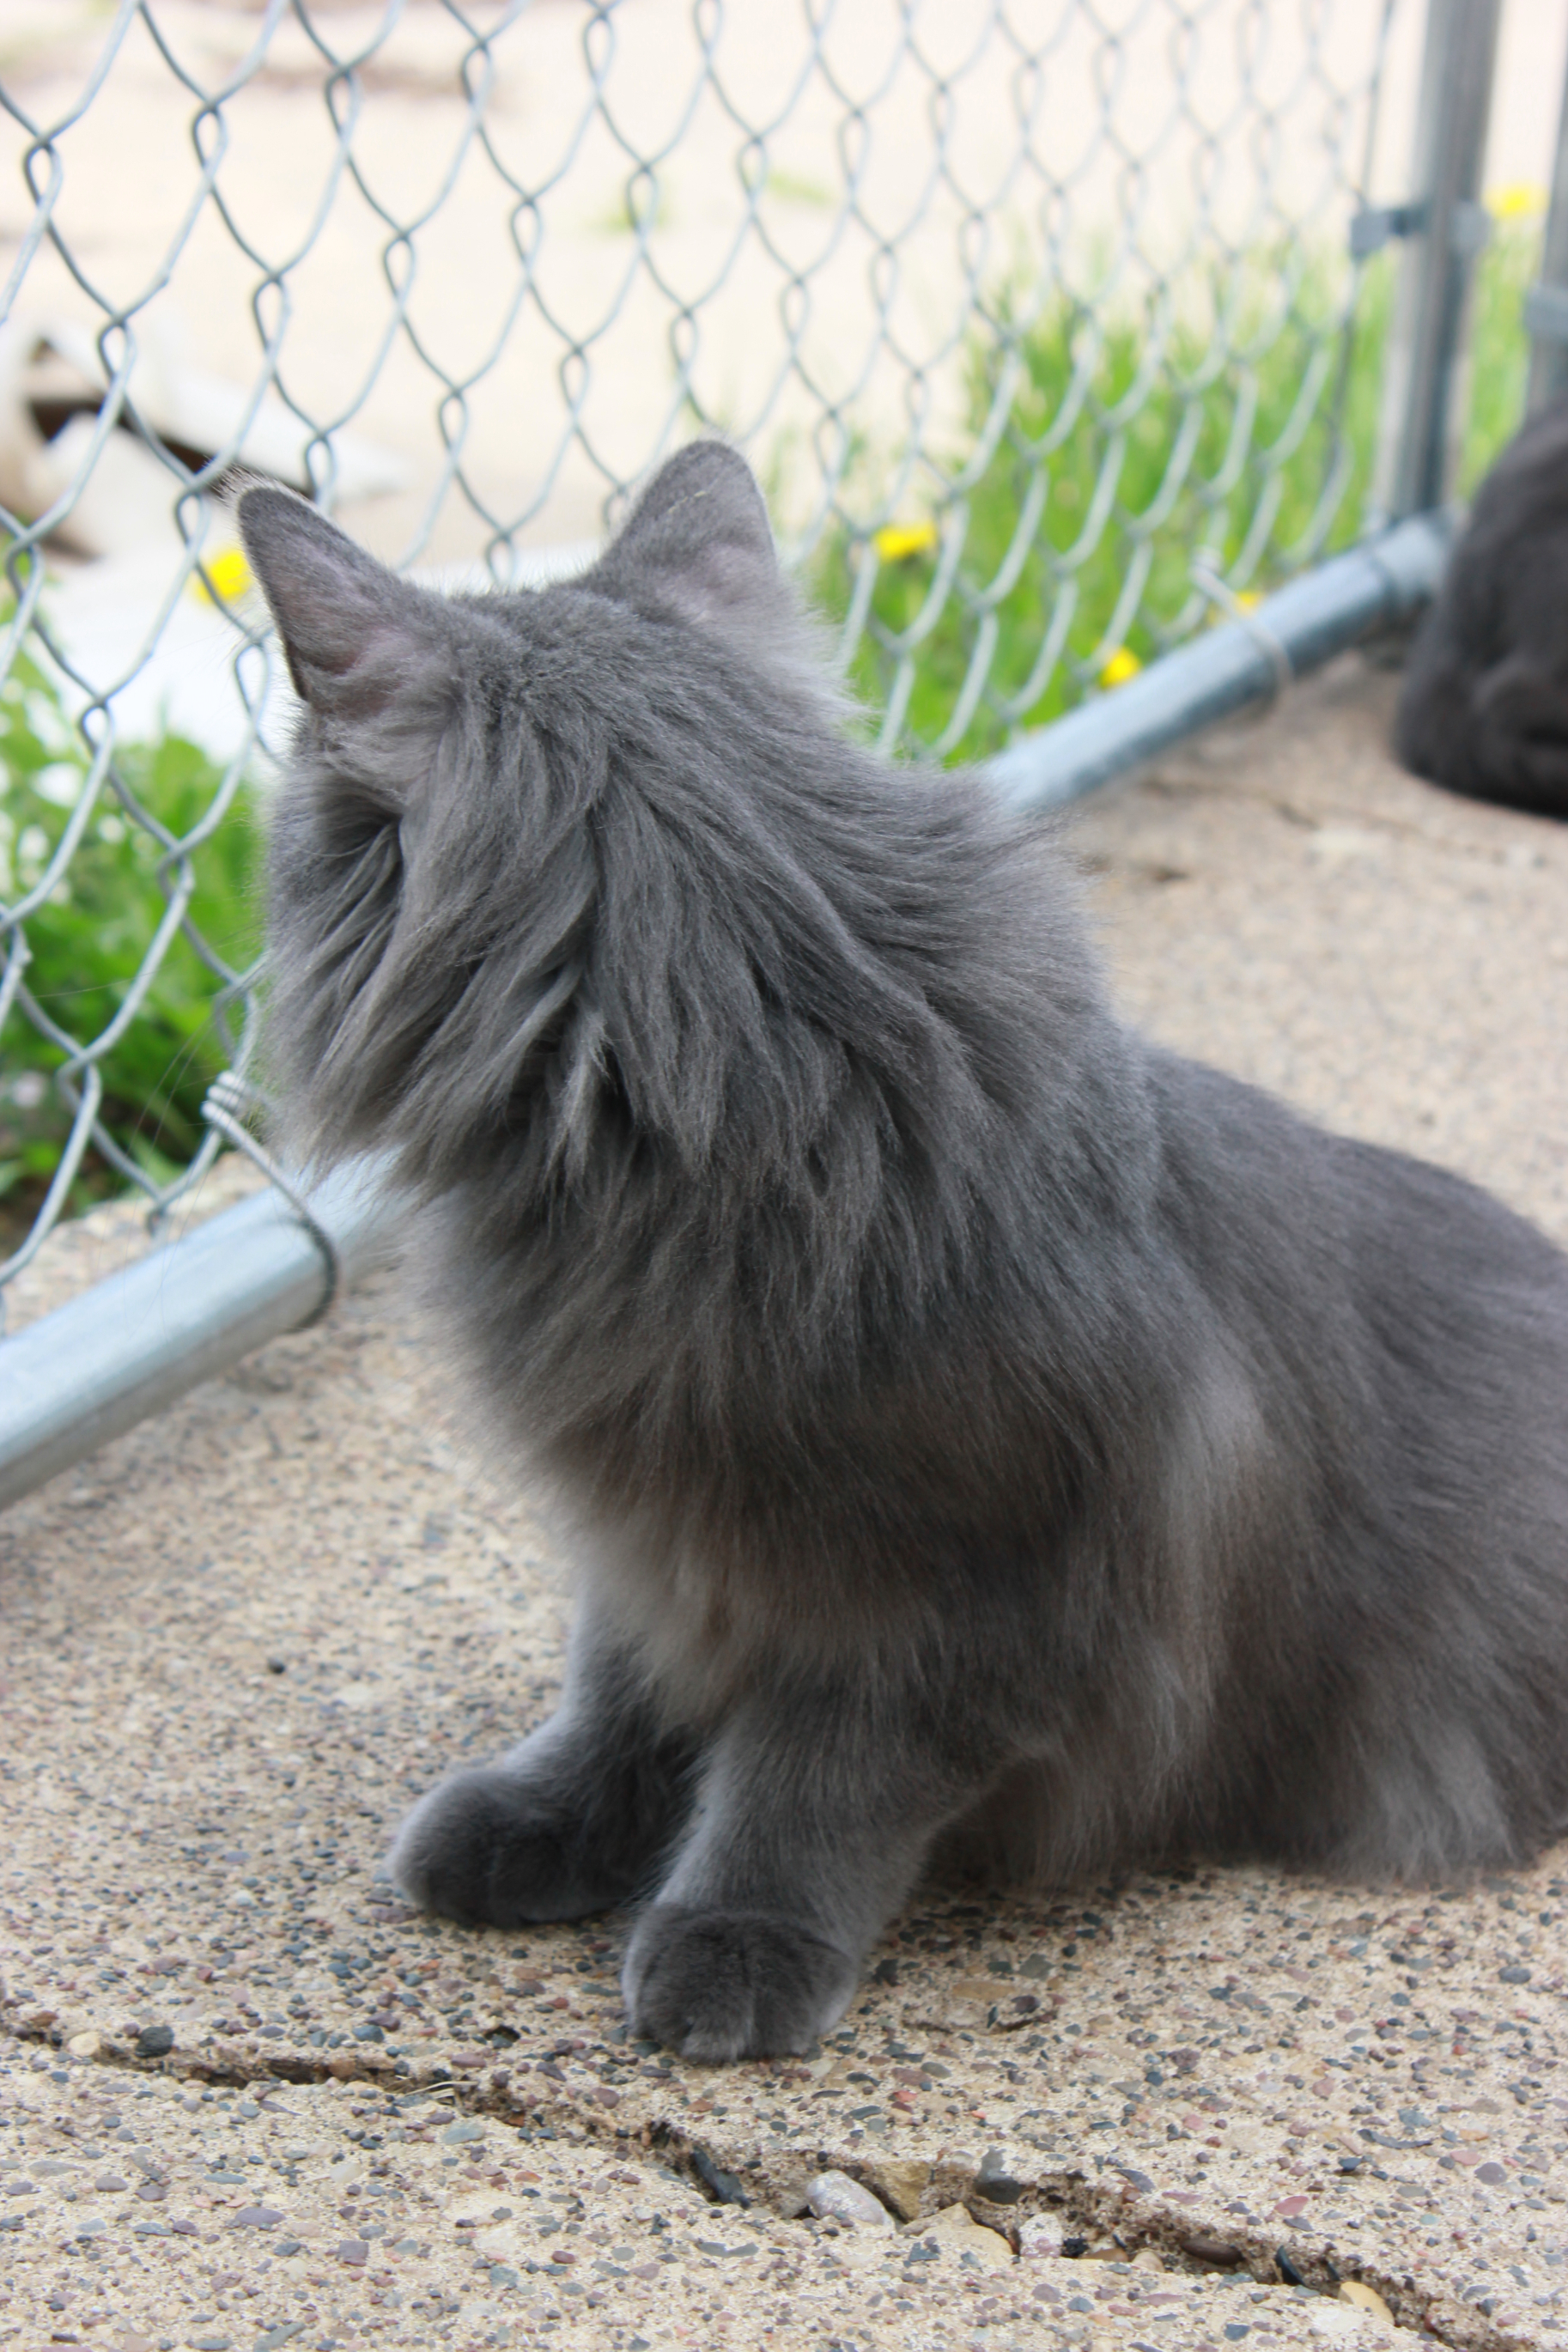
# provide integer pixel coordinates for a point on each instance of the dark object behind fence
(1484, 708)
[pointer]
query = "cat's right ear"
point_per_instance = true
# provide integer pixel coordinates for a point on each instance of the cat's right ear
(356, 637)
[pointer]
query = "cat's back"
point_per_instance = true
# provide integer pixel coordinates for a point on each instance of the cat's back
(1412, 1326)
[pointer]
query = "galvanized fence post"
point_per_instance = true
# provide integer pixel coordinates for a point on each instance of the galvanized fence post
(1546, 304)
(1443, 228)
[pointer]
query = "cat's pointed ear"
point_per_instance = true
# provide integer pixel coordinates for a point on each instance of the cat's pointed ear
(356, 637)
(699, 533)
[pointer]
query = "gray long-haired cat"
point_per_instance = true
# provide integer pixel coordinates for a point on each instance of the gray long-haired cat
(989, 1437)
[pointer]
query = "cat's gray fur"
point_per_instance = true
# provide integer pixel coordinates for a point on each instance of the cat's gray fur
(1483, 706)
(990, 1437)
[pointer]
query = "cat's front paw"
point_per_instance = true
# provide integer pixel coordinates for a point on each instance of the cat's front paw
(732, 1984)
(483, 1848)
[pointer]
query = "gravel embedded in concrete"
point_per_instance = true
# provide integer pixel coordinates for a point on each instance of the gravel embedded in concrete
(239, 1641)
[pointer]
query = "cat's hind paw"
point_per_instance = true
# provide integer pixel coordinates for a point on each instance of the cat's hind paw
(481, 1849)
(732, 1984)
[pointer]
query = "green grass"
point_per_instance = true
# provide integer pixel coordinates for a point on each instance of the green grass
(88, 937)
(1149, 448)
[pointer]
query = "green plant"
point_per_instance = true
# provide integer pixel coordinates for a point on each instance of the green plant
(1234, 415)
(1498, 346)
(89, 938)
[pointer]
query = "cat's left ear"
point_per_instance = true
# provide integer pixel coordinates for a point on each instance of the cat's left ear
(700, 535)
(357, 638)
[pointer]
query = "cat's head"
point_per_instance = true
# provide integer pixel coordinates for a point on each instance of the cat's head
(479, 783)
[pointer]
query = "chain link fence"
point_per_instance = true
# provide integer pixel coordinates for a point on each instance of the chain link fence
(1038, 318)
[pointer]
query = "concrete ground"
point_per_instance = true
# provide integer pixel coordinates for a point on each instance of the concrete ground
(247, 2100)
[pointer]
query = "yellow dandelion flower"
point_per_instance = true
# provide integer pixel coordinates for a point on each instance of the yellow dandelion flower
(896, 540)
(230, 574)
(1121, 664)
(1249, 599)
(1517, 200)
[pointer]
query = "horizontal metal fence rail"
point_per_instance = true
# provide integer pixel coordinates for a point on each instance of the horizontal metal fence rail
(144, 1338)
(1381, 586)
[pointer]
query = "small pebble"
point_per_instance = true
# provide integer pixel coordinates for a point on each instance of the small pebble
(899, 2183)
(833, 2197)
(1205, 2249)
(257, 2217)
(154, 2041)
(956, 2227)
(995, 2181)
(1040, 2237)
(1366, 2298)
(724, 2185)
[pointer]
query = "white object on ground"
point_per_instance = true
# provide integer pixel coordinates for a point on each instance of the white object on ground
(833, 2197)
(50, 368)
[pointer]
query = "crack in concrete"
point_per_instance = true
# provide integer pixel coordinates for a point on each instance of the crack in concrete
(1101, 2214)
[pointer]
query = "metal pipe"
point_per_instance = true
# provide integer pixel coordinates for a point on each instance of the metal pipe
(134, 1342)
(1377, 586)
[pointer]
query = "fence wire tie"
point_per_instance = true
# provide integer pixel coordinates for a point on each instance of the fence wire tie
(1282, 670)
(230, 1100)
